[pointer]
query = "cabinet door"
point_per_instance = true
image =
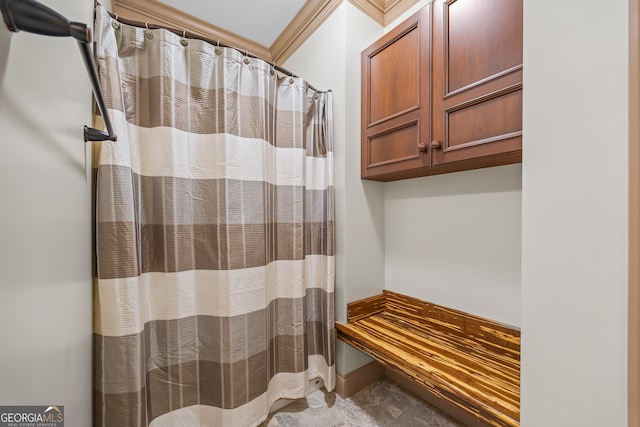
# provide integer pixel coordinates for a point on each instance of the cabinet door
(395, 99)
(477, 82)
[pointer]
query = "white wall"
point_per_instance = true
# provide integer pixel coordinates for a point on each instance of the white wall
(563, 279)
(454, 240)
(574, 214)
(330, 59)
(385, 233)
(45, 222)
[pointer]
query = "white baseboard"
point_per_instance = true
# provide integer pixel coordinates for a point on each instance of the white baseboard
(359, 379)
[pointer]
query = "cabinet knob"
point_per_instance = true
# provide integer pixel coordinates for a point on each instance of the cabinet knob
(422, 147)
(436, 145)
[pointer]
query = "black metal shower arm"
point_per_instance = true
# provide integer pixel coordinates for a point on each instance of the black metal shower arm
(34, 17)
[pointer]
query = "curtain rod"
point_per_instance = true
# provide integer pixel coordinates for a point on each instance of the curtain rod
(216, 42)
(34, 17)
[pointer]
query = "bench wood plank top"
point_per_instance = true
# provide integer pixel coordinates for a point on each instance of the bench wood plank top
(471, 362)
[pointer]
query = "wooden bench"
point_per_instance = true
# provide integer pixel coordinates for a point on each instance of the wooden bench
(469, 362)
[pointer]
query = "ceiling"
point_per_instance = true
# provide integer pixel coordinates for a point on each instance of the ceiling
(259, 20)
(269, 29)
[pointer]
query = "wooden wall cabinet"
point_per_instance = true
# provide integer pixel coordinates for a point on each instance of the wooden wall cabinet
(396, 96)
(472, 117)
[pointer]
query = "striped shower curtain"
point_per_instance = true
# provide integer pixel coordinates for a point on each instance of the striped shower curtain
(214, 238)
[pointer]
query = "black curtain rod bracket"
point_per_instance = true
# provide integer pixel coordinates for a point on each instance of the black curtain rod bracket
(34, 17)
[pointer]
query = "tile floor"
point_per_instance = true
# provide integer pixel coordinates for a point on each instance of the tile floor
(382, 404)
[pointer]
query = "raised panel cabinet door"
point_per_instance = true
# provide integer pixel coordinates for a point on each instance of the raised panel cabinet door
(477, 82)
(396, 98)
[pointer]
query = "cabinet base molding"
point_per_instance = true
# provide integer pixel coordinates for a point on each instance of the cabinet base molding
(505, 159)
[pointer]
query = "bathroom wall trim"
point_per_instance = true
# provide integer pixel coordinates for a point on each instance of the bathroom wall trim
(455, 412)
(356, 380)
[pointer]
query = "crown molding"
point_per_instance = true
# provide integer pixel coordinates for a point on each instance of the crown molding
(383, 12)
(372, 8)
(312, 14)
(395, 8)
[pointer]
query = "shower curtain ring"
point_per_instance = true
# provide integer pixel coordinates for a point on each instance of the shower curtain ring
(183, 40)
(148, 33)
(115, 24)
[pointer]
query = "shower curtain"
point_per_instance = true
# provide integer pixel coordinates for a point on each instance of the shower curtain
(215, 224)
